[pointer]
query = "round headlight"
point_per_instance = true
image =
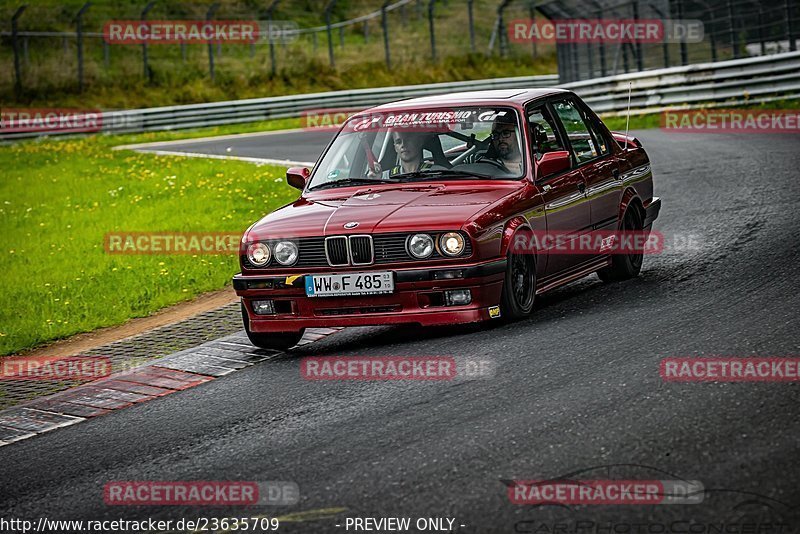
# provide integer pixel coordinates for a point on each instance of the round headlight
(286, 253)
(452, 243)
(420, 245)
(258, 254)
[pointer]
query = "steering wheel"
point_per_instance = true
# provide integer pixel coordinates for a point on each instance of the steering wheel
(499, 164)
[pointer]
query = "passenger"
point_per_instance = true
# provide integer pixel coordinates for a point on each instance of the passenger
(408, 146)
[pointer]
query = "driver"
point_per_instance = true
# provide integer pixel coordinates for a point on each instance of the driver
(505, 146)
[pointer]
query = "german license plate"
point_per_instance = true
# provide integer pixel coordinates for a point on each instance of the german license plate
(351, 284)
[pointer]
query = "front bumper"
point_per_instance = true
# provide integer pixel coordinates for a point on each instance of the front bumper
(416, 299)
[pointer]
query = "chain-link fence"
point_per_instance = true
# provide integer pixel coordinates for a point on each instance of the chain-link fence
(731, 29)
(49, 48)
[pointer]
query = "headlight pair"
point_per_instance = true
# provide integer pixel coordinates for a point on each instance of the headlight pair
(285, 253)
(421, 246)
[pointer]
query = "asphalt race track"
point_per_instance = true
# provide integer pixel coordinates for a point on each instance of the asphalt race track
(576, 388)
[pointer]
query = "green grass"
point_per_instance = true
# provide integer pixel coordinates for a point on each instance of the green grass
(58, 199)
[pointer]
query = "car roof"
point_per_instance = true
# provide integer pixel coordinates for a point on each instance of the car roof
(496, 97)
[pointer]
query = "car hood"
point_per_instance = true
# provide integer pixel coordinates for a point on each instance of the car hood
(376, 209)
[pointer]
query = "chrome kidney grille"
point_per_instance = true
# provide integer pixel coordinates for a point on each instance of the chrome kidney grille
(349, 250)
(336, 251)
(361, 249)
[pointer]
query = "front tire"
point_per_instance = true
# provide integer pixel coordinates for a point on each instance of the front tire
(270, 340)
(519, 287)
(625, 266)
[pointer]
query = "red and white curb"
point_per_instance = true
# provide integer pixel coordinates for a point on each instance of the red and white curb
(173, 373)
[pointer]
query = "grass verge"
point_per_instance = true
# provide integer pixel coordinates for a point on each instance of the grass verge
(59, 198)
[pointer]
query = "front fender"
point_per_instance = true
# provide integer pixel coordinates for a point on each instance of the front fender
(512, 226)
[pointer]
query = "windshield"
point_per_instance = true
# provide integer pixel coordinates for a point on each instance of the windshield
(424, 144)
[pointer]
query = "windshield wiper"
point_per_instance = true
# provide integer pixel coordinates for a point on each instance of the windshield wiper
(351, 181)
(436, 174)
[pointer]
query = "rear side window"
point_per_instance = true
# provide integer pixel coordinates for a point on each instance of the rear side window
(544, 132)
(587, 143)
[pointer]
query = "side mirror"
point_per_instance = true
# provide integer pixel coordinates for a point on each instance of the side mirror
(552, 163)
(297, 176)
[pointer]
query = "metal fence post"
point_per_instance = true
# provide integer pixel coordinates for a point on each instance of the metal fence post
(601, 46)
(15, 45)
(501, 28)
(431, 28)
(732, 28)
(147, 73)
(638, 47)
(385, 24)
(270, 10)
(79, 32)
(328, 9)
(665, 44)
(684, 51)
(532, 16)
(761, 38)
(471, 25)
(789, 30)
(209, 16)
(711, 38)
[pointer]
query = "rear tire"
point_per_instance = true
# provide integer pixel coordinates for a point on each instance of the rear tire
(625, 266)
(270, 340)
(519, 287)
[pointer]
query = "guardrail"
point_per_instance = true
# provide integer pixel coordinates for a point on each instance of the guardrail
(737, 81)
(731, 82)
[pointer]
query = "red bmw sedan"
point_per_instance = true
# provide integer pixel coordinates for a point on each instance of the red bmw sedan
(415, 211)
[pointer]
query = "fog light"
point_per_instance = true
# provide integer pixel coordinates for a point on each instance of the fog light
(457, 297)
(263, 307)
